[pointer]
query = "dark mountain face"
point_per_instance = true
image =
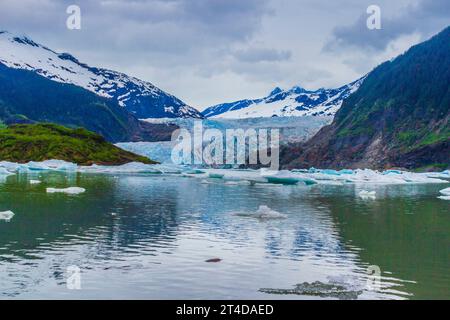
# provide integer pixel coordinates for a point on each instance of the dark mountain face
(399, 117)
(26, 97)
(141, 98)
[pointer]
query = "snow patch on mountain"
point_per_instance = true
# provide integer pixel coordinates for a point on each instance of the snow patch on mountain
(295, 102)
(139, 97)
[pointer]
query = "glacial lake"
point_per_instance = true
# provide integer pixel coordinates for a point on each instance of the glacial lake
(149, 237)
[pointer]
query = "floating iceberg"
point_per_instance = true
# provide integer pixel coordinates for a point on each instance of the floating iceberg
(54, 165)
(216, 175)
(5, 172)
(71, 190)
(367, 194)
(35, 181)
(263, 213)
(444, 197)
(6, 215)
(445, 192)
(439, 175)
(132, 167)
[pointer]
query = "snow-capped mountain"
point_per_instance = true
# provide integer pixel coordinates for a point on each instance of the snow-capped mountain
(295, 102)
(139, 97)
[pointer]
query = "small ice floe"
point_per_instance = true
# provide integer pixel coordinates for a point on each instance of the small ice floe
(216, 175)
(364, 194)
(445, 192)
(444, 197)
(283, 180)
(213, 260)
(231, 183)
(263, 213)
(6, 215)
(113, 214)
(35, 181)
(71, 190)
(132, 167)
(5, 172)
(52, 165)
(205, 182)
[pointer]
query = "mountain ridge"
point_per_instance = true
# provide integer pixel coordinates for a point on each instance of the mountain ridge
(139, 97)
(399, 117)
(296, 101)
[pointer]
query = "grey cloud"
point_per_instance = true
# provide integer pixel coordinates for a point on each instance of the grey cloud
(253, 55)
(161, 25)
(426, 17)
(210, 51)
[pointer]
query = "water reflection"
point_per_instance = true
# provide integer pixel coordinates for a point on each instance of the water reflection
(164, 228)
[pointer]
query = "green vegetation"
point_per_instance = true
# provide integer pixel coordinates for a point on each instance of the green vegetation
(399, 117)
(26, 97)
(38, 142)
(407, 99)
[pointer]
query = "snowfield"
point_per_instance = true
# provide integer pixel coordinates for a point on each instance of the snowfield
(295, 102)
(20, 52)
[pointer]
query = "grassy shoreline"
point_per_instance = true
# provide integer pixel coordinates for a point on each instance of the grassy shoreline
(22, 143)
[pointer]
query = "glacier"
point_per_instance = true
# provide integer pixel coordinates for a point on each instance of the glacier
(292, 129)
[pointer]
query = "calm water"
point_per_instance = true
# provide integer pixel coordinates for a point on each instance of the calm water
(165, 228)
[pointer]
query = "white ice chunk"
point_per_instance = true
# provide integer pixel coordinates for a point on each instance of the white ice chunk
(132, 167)
(367, 194)
(6, 215)
(445, 192)
(263, 213)
(71, 190)
(55, 165)
(444, 197)
(35, 182)
(5, 172)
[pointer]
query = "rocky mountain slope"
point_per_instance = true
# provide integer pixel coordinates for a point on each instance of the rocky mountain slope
(399, 117)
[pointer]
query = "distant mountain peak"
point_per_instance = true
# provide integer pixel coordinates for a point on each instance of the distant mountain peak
(296, 101)
(275, 91)
(141, 98)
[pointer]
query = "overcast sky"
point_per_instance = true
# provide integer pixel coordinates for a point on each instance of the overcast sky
(213, 51)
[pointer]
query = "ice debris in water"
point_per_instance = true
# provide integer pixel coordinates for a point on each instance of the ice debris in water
(55, 165)
(318, 289)
(263, 213)
(5, 172)
(71, 190)
(35, 181)
(367, 194)
(6, 215)
(445, 194)
(284, 177)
